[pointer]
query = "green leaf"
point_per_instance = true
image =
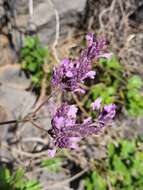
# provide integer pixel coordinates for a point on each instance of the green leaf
(119, 165)
(112, 63)
(30, 42)
(32, 66)
(18, 178)
(53, 164)
(135, 82)
(88, 184)
(111, 150)
(98, 182)
(127, 147)
(5, 178)
(32, 185)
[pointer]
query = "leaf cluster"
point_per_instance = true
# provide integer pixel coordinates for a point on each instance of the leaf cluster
(16, 180)
(53, 164)
(33, 57)
(123, 168)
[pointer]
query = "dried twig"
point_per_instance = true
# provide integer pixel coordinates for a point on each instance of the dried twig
(57, 31)
(80, 105)
(109, 9)
(44, 102)
(28, 154)
(37, 126)
(31, 11)
(43, 90)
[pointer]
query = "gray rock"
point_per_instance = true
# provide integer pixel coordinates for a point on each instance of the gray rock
(5, 156)
(17, 102)
(1, 9)
(11, 76)
(43, 19)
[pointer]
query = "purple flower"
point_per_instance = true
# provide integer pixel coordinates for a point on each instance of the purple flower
(51, 153)
(97, 47)
(107, 114)
(70, 73)
(65, 116)
(96, 104)
(66, 132)
(90, 38)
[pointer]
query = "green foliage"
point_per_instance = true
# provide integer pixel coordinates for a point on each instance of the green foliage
(113, 87)
(123, 168)
(16, 181)
(33, 57)
(134, 98)
(53, 164)
(95, 181)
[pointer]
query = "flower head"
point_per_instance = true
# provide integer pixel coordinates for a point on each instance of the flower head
(97, 47)
(66, 132)
(70, 73)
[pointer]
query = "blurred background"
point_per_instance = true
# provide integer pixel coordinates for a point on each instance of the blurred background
(34, 36)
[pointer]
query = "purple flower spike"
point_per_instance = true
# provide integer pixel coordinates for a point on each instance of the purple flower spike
(71, 73)
(66, 132)
(96, 104)
(97, 47)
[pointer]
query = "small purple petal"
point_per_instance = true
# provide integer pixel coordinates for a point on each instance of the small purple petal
(89, 38)
(69, 74)
(80, 90)
(59, 121)
(106, 55)
(65, 62)
(107, 114)
(73, 142)
(51, 153)
(96, 104)
(89, 119)
(90, 74)
(72, 111)
(110, 109)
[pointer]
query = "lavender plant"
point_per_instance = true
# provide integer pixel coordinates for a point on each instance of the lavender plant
(66, 131)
